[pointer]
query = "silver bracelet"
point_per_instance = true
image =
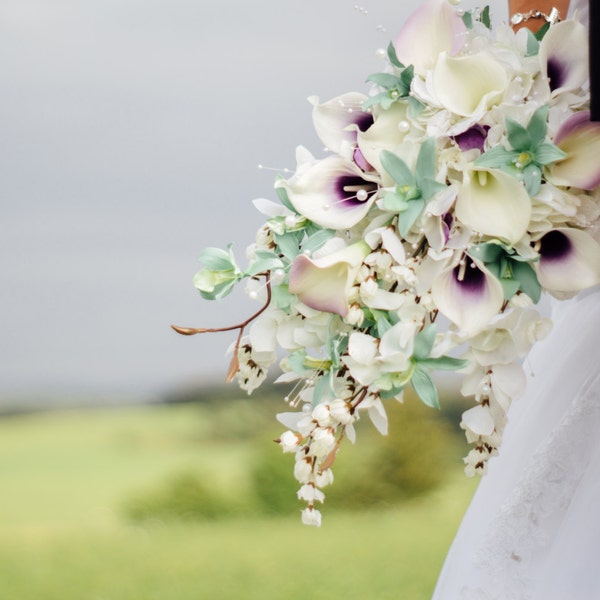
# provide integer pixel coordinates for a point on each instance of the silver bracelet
(552, 18)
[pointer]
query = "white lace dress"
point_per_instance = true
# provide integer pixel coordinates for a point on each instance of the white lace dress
(532, 531)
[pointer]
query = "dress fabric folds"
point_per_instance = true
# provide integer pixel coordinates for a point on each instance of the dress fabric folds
(532, 531)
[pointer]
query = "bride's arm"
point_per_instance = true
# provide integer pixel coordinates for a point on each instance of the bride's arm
(544, 6)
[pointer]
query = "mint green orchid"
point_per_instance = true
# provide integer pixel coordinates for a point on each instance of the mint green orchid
(412, 191)
(325, 283)
(529, 152)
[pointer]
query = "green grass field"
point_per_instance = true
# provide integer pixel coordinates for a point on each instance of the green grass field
(67, 475)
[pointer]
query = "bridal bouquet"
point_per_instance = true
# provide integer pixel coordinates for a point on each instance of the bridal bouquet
(452, 194)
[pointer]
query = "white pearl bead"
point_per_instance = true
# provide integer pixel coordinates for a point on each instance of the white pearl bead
(380, 53)
(362, 195)
(404, 126)
(291, 221)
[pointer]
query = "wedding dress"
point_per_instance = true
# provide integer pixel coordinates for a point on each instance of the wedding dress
(532, 531)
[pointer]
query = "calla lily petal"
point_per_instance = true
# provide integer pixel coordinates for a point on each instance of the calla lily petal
(465, 84)
(580, 139)
(385, 134)
(330, 193)
(325, 283)
(494, 203)
(433, 28)
(469, 295)
(563, 56)
(569, 261)
(337, 121)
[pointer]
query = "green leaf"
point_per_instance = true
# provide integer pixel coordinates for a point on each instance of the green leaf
(533, 46)
(485, 17)
(323, 389)
(425, 388)
(393, 392)
(407, 218)
(527, 278)
(281, 297)
(532, 175)
(288, 245)
(548, 153)
(468, 19)
(495, 158)
(385, 80)
(317, 239)
(397, 168)
(383, 98)
(487, 252)
(406, 78)
(518, 137)
(393, 57)
(445, 363)
(284, 199)
(381, 321)
(262, 264)
(542, 31)
(430, 187)
(423, 343)
(538, 125)
(415, 108)
(216, 259)
(296, 361)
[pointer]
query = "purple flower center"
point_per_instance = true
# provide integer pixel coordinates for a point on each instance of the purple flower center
(555, 245)
(352, 190)
(556, 74)
(364, 121)
(473, 279)
(474, 137)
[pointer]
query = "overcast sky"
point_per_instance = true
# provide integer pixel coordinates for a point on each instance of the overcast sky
(131, 135)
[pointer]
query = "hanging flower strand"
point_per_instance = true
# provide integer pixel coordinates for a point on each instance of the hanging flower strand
(461, 185)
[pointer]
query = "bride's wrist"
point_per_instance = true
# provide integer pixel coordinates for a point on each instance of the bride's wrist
(533, 14)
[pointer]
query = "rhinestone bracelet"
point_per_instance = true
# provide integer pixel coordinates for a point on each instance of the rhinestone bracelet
(552, 18)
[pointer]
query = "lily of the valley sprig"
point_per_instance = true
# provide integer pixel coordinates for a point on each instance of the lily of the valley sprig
(462, 184)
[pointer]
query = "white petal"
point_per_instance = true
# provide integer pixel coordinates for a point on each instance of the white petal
(362, 347)
(270, 208)
(495, 204)
(465, 84)
(433, 28)
(479, 420)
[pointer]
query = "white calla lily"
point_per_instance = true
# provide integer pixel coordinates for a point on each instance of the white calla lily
(386, 133)
(468, 294)
(563, 56)
(494, 203)
(569, 261)
(324, 283)
(338, 120)
(579, 138)
(466, 85)
(433, 28)
(333, 193)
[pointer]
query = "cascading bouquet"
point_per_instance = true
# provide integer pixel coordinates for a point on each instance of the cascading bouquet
(450, 197)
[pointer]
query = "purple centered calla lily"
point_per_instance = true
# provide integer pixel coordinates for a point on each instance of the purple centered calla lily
(324, 283)
(333, 193)
(338, 120)
(563, 56)
(579, 138)
(468, 294)
(569, 261)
